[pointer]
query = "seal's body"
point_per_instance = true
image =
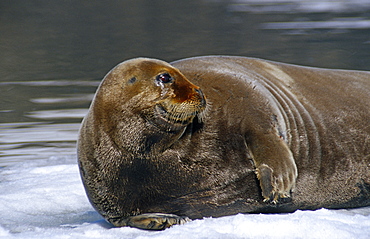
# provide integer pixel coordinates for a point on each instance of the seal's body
(215, 136)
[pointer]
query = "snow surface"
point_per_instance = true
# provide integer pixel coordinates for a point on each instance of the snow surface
(46, 199)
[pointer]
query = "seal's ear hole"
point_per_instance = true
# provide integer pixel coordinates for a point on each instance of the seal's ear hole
(132, 80)
(164, 78)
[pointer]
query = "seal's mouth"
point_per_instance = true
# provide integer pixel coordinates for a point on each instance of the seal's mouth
(183, 112)
(176, 114)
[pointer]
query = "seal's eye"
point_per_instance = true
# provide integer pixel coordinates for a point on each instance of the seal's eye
(164, 78)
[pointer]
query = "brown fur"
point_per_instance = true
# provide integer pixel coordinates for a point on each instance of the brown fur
(239, 153)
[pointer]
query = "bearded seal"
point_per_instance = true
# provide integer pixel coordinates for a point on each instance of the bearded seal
(217, 135)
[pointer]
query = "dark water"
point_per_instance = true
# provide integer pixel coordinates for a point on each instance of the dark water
(54, 53)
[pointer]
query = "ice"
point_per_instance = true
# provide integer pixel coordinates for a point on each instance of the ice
(46, 199)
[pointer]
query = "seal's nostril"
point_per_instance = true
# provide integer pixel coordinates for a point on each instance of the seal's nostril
(200, 92)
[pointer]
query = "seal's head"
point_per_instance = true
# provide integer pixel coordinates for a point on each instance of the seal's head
(146, 90)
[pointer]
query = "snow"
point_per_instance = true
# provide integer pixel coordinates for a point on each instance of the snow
(45, 199)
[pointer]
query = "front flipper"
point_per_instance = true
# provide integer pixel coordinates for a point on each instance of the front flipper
(151, 221)
(275, 167)
(155, 221)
